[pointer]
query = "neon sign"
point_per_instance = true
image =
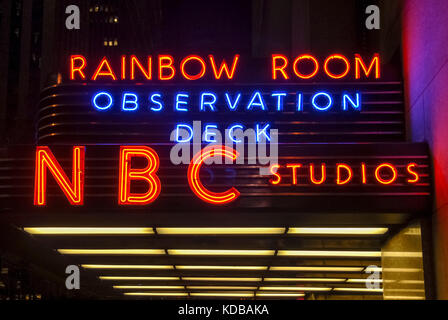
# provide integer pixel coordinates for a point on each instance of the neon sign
(342, 174)
(194, 179)
(74, 190)
(228, 102)
(143, 69)
(205, 101)
(290, 175)
(195, 67)
(147, 174)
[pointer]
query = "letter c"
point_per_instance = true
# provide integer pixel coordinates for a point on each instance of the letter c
(194, 179)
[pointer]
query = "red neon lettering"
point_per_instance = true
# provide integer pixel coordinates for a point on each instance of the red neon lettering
(415, 174)
(123, 67)
(281, 68)
(99, 71)
(199, 75)
(322, 176)
(294, 167)
(166, 65)
(338, 57)
(374, 63)
(363, 173)
(306, 76)
(148, 174)
(223, 67)
(274, 168)
(77, 68)
(340, 166)
(74, 191)
(378, 175)
(146, 73)
(194, 179)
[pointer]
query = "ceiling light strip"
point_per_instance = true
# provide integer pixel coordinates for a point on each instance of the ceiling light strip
(222, 294)
(338, 231)
(293, 288)
(113, 251)
(160, 294)
(221, 288)
(316, 268)
(182, 267)
(330, 253)
(306, 279)
(209, 252)
(126, 266)
(373, 290)
(139, 278)
(150, 287)
(236, 279)
(219, 231)
(87, 230)
(280, 294)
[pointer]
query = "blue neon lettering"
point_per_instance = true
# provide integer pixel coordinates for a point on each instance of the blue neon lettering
(263, 132)
(157, 102)
(209, 136)
(133, 102)
(230, 132)
(260, 102)
(99, 94)
(208, 103)
(318, 107)
(299, 102)
(181, 102)
(280, 97)
(188, 128)
(235, 103)
(356, 105)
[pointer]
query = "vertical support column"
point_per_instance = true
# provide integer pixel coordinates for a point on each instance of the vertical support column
(23, 98)
(49, 43)
(402, 263)
(426, 78)
(4, 61)
(301, 32)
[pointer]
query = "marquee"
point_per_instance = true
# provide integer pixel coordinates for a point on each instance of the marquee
(106, 137)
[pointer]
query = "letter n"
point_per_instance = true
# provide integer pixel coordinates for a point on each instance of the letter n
(73, 190)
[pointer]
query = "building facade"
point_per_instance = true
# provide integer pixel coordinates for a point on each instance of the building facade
(368, 229)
